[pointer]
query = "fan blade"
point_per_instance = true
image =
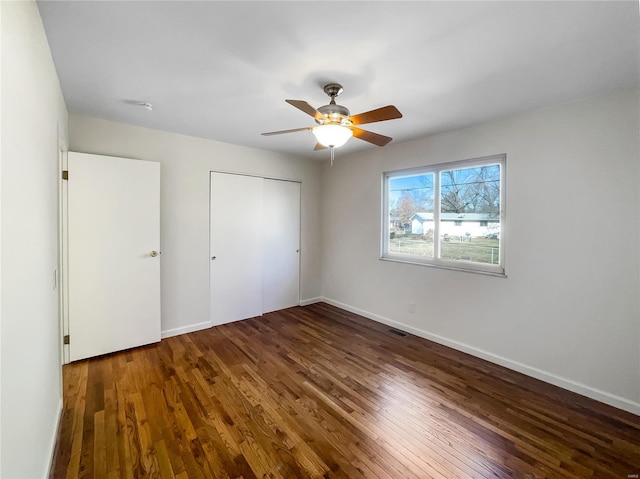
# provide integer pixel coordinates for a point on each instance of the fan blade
(319, 146)
(388, 112)
(375, 138)
(286, 131)
(305, 107)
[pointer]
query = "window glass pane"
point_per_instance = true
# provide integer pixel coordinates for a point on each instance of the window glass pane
(411, 215)
(470, 214)
(446, 215)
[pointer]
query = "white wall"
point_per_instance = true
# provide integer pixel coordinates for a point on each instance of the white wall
(33, 117)
(568, 312)
(186, 163)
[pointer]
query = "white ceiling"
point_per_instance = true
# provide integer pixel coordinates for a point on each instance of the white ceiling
(222, 70)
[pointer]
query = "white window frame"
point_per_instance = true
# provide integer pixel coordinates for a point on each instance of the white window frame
(460, 265)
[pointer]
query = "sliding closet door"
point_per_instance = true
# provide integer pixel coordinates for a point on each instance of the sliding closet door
(255, 246)
(235, 248)
(281, 240)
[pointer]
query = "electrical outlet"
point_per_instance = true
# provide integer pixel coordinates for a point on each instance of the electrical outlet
(412, 307)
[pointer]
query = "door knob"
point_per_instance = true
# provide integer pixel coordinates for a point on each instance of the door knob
(154, 253)
(213, 257)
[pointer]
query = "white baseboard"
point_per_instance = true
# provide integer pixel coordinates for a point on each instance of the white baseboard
(584, 390)
(307, 302)
(54, 440)
(167, 333)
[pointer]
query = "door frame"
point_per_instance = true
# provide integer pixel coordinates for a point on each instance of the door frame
(63, 244)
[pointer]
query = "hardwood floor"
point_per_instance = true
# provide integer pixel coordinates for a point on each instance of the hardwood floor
(319, 392)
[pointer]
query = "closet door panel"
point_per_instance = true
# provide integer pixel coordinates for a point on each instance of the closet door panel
(281, 240)
(235, 247)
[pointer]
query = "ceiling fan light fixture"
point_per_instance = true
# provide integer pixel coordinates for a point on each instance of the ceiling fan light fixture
(335, 124)
(332, 136)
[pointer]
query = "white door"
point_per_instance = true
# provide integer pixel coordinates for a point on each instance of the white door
(281, 242)
(235, 247)
(113, 215)
(255, 246)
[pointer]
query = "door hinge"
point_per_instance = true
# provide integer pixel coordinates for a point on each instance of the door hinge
(65, 340)
(65, 174)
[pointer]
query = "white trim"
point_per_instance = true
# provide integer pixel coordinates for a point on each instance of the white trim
(54, 439)
(63, 253)
(307, 302)
(167, 333)
(255, 175)
(564, 383)
(455, 265)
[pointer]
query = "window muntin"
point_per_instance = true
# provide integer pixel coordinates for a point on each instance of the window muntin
(449, 215)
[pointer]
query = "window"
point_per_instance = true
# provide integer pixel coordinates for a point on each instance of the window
(449, 215)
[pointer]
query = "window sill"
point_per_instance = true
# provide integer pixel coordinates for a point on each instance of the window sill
(450, 265)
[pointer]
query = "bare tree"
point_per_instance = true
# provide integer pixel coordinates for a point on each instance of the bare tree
(471, 190)
(457, 195)
(488, 182)
(423, 197)
(405, 208)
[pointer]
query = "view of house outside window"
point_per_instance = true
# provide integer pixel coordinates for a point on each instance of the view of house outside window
(447, 215)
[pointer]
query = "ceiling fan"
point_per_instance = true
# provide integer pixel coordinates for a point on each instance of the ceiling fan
(335, 124)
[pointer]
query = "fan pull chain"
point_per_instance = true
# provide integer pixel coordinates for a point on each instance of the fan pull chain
(331, 148)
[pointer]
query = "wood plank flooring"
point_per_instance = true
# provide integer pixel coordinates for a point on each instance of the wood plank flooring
(317, 392)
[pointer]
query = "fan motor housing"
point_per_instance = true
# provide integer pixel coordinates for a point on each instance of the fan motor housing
(333, 113)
